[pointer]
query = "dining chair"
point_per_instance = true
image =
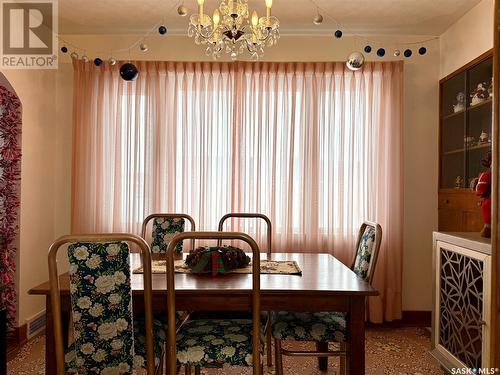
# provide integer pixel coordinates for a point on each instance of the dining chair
(325, 327)
(269, 227)
(208, 342)
(108, 338)
(165, 226)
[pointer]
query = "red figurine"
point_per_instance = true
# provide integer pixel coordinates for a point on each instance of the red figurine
(483, 189)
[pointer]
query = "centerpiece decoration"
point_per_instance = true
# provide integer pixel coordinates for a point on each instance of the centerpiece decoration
(233, 31)
(216, 259)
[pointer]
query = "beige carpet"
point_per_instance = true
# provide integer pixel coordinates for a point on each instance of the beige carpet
(388, 351)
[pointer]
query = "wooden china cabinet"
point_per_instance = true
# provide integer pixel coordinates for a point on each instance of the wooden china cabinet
(465, 139)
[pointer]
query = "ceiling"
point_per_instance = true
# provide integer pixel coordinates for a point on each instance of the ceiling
(408, 17)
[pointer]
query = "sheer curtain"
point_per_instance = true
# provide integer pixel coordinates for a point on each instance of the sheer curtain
(315, 146)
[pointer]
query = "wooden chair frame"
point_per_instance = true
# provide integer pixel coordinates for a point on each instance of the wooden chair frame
(168, 216)
(322, 351)
(252, 215)
(55, 294)
(171, 336)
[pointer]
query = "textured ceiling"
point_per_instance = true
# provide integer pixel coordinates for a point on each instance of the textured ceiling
(410, 17)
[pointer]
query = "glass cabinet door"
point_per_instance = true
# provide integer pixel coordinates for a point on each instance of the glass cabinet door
(479, 117)
(453, 109)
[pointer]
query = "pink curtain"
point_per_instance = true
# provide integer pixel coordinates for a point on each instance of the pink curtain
(315, 146)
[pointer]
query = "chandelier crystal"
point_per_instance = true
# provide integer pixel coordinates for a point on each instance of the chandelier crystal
(233, 31)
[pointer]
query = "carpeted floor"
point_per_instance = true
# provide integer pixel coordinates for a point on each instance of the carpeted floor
(399, 351)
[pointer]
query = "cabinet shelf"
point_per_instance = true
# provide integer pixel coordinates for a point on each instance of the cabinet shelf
(483, 104)
(478, 147)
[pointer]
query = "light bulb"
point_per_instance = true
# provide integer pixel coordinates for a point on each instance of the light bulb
(255, 19)
(201, 2)
(269, 3)
(216, 17)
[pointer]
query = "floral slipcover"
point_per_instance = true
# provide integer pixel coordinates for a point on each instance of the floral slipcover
(364, 253)
(163, 231)
(107, 340)
(299, 326)
(209, 342)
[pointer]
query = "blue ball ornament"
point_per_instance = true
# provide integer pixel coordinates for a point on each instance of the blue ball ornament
(64, 49)
(407, 52)
(368, 49)
(129, 72)
(380, 52)
(162, 30)
(97, 61)
(422, 50)
(338, 34)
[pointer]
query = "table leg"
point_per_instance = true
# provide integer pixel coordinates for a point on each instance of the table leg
(50, 353)
(356, 359)
(322, 361)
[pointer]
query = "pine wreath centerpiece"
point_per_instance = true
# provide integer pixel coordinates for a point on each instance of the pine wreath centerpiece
(216, 259)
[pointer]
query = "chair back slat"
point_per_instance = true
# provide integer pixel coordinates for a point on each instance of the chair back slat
(170, 272)
(101, 302)
(367, 250)
(250, 215)
(165, 226)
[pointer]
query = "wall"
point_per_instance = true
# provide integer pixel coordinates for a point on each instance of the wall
(467, 38)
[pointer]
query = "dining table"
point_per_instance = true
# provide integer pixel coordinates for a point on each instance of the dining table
(325, 284)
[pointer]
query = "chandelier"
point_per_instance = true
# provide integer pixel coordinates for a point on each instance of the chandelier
(231, 31)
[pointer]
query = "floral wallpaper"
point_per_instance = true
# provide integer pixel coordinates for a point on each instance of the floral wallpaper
(10, 176)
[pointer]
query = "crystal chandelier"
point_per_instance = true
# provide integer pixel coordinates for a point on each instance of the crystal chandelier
(231, 31)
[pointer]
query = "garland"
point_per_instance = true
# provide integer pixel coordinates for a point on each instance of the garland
(10, 171)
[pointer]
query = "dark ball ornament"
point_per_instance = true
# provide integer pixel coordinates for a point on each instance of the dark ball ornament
(368, 49)
(422, 50)
(97, 61)
(338, 34)
(162, 30)
(129, 72)
(380, 52)
(64, 49)
(407, 53)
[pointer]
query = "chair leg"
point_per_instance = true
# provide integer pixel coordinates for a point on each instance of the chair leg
(268, 348)
(343, 360)
(278, 358)
(322, 361)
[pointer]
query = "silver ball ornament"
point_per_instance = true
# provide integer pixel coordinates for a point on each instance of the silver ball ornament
(318, 19)
(144, 47)
(112, 61)
(355, 61)
(85, 58)
(182, 10)
(397, 52)
(74, 55)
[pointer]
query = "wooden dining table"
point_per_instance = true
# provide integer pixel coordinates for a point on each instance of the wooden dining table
(326, 284)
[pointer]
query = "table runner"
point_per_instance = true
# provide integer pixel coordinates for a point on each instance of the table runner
(281, 267)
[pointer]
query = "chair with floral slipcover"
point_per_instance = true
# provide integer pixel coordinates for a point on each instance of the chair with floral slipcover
(215, 342)
(108, 338)
(165, 226)
(325, 327)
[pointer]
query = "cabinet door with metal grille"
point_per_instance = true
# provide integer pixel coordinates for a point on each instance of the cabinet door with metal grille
(461, 307)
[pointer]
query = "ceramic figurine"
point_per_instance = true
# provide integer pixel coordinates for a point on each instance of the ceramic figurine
(469, 141)
(484, 137)
(460, 105)
(483, 189)
(480, 94)
(459, 182)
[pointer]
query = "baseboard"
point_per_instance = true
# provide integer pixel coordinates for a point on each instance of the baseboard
(17, 338)
(409, 319)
